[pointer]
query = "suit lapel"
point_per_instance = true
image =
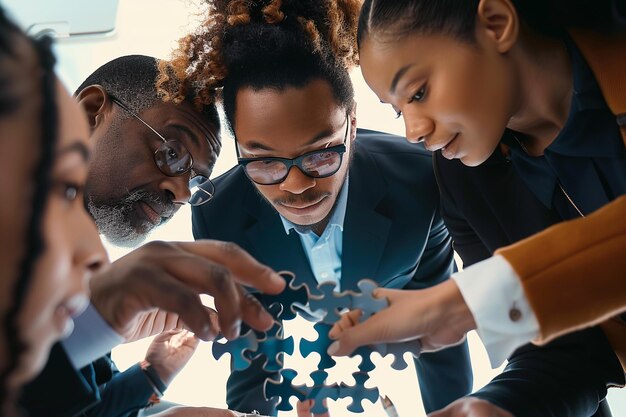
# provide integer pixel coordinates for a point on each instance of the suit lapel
(365, 230)
(273, 246)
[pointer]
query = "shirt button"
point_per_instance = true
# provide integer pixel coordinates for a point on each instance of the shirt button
(324, 274)
(515, 314)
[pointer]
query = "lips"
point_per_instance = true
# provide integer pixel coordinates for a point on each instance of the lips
(150, 214)
(450, 150)
(440, 145)
(303, 208)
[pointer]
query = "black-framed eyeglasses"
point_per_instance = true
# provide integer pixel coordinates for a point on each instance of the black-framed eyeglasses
(174, 159)
(321, 163)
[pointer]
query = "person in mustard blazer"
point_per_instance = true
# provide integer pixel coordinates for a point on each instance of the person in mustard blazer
(518, 148)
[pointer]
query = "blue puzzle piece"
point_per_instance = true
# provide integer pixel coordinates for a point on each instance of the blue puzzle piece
(365, 300)
(290, 295)
(398, 350)
(319, 346)
(358, 392)
(238, 349)
(284, 389)
(272, 346)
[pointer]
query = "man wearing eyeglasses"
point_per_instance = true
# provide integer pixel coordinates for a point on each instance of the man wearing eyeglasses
(314, 195)
(149, 158)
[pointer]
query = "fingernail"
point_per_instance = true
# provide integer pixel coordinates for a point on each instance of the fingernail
(333, 348)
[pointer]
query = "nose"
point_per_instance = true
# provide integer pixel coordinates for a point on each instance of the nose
(417, 127)
(89, 254)
(176, 187)
(296, 182)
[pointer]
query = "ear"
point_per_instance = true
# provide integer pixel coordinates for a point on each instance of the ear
(95, 101)
(353, 123)
(500, 22)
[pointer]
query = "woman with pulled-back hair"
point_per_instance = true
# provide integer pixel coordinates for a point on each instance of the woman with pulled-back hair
(524, 105)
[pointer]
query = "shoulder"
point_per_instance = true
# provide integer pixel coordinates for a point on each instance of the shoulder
(392, 154)
(231, 191)
(388, 144)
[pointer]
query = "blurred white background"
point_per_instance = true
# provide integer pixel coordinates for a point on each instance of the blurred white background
(151, 27)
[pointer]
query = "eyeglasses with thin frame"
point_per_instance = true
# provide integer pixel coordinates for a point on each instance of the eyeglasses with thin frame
(321, 163)
(174, 159)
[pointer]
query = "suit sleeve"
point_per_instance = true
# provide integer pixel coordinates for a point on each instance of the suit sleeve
(588, 257)
(126, 393)
(60, 390)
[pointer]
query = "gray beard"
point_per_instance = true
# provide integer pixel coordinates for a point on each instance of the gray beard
(113, 219)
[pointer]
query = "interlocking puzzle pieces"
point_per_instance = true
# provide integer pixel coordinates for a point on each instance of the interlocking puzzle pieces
(398, 350)
(284, 390)
(290, 296)
(272, 347)
(252, 345)
(329, 303)
(238, 349)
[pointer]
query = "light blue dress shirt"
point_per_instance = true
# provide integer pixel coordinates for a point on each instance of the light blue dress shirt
(324, 252)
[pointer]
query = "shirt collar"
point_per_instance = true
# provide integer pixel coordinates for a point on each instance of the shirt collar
(338, 216)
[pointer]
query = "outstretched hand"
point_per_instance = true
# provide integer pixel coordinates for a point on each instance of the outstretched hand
(170, 351)
(171, 277)
(437, 316)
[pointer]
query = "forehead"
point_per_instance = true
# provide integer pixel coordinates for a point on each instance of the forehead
(382, 58)
(284, 117)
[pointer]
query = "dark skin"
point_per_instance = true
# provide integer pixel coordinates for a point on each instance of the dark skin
(123, 145)
(288, 124)
(156, 286)
(459, 97)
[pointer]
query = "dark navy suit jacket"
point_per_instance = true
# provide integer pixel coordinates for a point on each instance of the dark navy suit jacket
(393, 233)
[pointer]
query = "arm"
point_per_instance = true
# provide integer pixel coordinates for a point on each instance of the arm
(587, 256)
(445, 375)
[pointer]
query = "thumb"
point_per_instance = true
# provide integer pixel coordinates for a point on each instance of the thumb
(372, 331)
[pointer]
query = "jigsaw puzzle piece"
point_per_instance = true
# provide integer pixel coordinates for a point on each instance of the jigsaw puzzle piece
(366, 364)
(238, 349)
(365, 300)
(284, 389)
(320, 346)
(290, 295)
(398, 350)
(272, 346)
(358, 392)
(320, 392)
(329, 302)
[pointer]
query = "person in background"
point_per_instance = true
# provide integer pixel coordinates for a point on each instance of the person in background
(312, 193)
(530, 133)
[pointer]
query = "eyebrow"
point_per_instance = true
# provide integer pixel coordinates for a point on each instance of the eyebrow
(253, 145)
(77, 146)
(396, 78)
(193, 136)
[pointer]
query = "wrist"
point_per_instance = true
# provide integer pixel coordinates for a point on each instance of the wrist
(154, 378)
(455, 312)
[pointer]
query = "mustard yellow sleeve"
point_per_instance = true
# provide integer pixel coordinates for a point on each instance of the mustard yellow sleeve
(574, 273)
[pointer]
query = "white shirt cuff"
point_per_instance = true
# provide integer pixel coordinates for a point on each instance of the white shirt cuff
(91, 339)
(494, 295)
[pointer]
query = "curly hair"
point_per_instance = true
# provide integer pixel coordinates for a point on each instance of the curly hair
(265, 44)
